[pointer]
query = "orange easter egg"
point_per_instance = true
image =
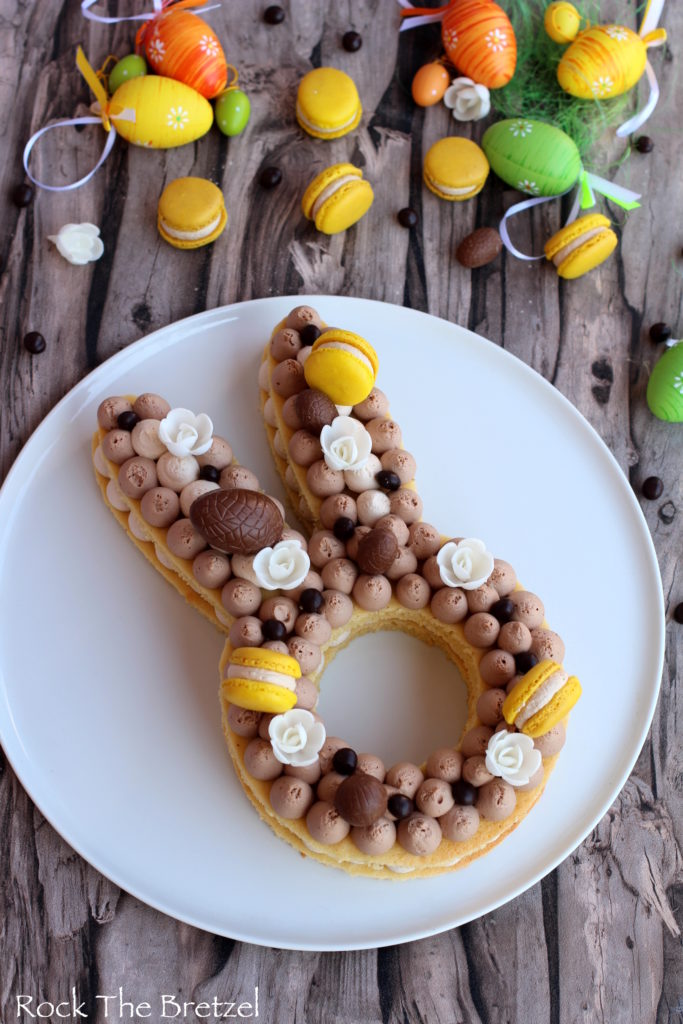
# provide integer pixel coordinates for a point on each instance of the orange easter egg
(480, 41)
(430, 84)
(180, 45)
(602, 62)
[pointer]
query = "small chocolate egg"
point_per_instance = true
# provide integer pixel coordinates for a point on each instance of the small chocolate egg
(561, 21)
(232, 111)
(430, 84)
(131, 66)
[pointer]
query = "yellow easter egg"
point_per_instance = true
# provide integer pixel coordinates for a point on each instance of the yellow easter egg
(561, 21)
(167, 113)
(602, 62)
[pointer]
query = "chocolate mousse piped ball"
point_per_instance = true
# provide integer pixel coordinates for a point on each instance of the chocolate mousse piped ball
(503, 577)
(449, 605)
(328, 785)
(290, 798)
(434, 797)
(413, 592)
(528, 608)
(515, 637)
(302, 316)
(385, 435)
(309, 773)
(481, 629)
(361, 799)
(238, 478)
(475, 740)
(372, 593)
(136, 476)
(482, 599)
(323, 481)
(432, 573)
(183, 540)
(404, 563)
(374, 839)
(551, 742)
(329, 748)
(149, 406)
(313, 627)
(397, 527)
(406, 504)
(280, 608)
(145, 439)
(372, 506)
(285, 344)
(497, 668)
(460, 823)
(475, 772)
(424, 540)
(306, 653)
(496, 800)
(340, 574)
(445, 763)
(490, 707)
(260, 761)
(370, 764)
(243, 722)
(306, 691)
(337, 608)
(338, 506)
(325, 824)
(287, 378)
(191, 492)
(406, 777)
(160, 507)
(304, 448)
(375, 405)
(246, 632)
(211, 568)
(110, 409)
(354, 540)
(117, 446)
(419, 834)
(401, 462)
(240, 597)
(219, 455)
(546, 644)
(323, 547)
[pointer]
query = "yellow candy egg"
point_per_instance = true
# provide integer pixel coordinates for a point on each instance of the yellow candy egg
(602, 62)
(430, 84)
(166, 113)
(561, 22)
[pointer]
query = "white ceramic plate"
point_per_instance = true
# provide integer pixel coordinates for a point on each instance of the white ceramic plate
(108, 706)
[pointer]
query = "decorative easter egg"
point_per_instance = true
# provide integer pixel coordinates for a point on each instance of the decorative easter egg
(167, 113)
(430, 84)
(531, 156)
(602, 62)
(181, 45)
(665, 386)
(480, 41)
(232, 111)
(561, 21)
(131, 66)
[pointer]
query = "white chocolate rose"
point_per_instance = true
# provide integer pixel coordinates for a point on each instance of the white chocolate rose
(466, 564)
(183, 433)
(296, 737)
(467, 100)
(283, 567)
(346, 444)
(79, 243)
(513, 757)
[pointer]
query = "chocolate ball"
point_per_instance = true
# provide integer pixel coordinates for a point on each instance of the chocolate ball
(377, 551)
(314, 408)
(361, 800)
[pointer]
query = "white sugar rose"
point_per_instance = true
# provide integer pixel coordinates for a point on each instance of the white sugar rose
(296, 737)
(346, 444)
(466, 564)
(513, 757)
(79, 243)
(183, 433)
(467, 100)
(283, 567)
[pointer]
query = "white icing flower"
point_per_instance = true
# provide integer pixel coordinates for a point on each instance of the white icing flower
(466, 564)
(283, 567)
(183, 433)
(467, 100)
(296, 737)
(346, 444)
(513, 757)
(79, 243)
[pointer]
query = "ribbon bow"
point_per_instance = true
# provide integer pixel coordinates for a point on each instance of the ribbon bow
(586, 187)
(107, 112)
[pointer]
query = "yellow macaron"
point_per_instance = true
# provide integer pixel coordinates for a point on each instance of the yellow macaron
(327, 103)
(541, 699)
(455, 168)
(337, 198)
(191, 213)
(343, 365)
(261, 680)
(581, 245)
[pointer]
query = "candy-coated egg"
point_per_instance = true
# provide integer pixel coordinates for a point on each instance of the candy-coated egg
(602, 62)
(166, 113)
(131, 66)
(531, 156)
(665, 386)
(480, 41)
(232, 111)
(561, 21)
(429, 84)
(181, 45)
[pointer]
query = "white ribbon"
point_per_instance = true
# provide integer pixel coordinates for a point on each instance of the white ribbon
(639, 119)
(158, 7)
(421, 19)
(653, 13)
(584, 199)
(111, 139)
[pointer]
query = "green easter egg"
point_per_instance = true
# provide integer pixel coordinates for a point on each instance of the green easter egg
(131, 66)
(232, 111)
(665, 386)
(531, 156)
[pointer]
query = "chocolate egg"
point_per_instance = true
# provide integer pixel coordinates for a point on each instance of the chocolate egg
(479, 248)
(429, 84)
(315, 410)
(531, 156)
(377, 551)
(480, 41)
(361, 800)
(237, 521)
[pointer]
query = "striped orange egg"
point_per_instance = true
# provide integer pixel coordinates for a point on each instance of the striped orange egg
(180, 45)
(602, 62)
(480, 41)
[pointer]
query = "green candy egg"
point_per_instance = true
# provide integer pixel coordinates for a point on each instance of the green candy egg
(131, 66)
(665, 386)
(232, 111)
(531, 156)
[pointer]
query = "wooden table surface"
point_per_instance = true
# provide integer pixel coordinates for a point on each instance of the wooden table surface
(599, 939)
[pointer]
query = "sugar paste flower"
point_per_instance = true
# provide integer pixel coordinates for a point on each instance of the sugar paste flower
(296, 737)
(79, 243)
(346, 444)
(513, 757)
(183, 433)
(467, 100)
(282, 567)
(465, 564)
